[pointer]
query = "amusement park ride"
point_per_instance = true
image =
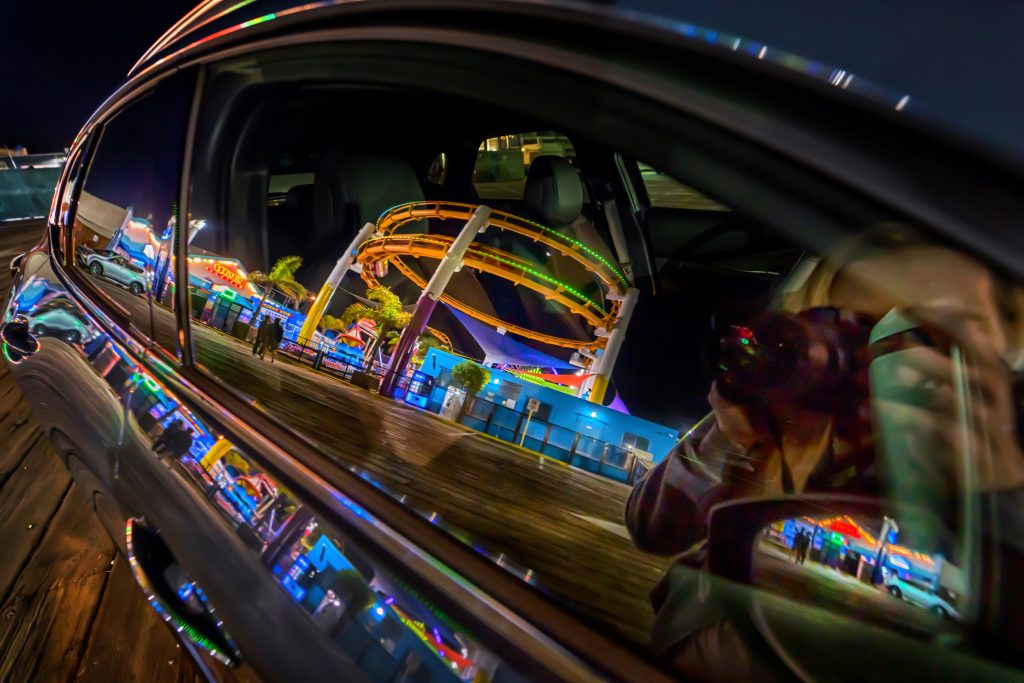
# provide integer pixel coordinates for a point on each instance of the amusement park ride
(377, 246)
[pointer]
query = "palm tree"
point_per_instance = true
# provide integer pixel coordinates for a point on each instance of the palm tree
(282, 278)
(387, 315)
(329, 322)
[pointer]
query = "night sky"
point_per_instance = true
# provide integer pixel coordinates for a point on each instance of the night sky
(958, 59)
(60, 60)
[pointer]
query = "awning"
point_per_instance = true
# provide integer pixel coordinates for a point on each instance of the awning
(499, 348)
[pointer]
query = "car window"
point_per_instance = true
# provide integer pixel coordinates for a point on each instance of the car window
(816, 395)
(127, 207)
(665, 191)
(503, 162)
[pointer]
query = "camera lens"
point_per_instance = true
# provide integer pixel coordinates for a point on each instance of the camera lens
(762, 353)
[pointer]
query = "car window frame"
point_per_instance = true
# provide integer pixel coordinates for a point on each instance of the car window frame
(90, 140)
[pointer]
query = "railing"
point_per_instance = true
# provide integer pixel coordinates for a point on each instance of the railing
(568, 446)
(557, 442)
(27, 184)
(319, 357)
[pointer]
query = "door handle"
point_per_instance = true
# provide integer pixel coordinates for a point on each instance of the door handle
(177, 599)
(17, 341)
(16, 265)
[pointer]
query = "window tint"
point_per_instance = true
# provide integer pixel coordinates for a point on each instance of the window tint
(667, 192)
(502, 163)
(776, 414)
(127, 210)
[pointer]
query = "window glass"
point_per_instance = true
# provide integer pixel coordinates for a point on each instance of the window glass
(438, 169)
(588, 428)
(127, 209)
(502, 163)
(665, 191)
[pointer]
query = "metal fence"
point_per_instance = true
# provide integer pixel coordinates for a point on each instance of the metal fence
(566, 445)
(569, 446)
(348, 368)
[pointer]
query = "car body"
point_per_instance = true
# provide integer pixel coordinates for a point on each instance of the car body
(347, 570)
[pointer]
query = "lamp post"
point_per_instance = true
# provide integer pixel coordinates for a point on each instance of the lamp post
(883, 539)
(425, 305)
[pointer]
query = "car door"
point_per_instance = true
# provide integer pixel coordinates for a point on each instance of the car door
(118, 269)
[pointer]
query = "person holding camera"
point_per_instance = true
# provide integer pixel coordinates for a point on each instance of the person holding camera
(852, 384)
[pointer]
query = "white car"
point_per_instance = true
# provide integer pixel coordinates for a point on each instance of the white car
(113, 266)
(920, 594)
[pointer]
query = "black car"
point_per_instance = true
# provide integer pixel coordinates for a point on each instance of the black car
(717, 339)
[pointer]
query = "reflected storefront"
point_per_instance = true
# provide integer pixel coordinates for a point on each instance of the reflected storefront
(223, 297)
(841, 555)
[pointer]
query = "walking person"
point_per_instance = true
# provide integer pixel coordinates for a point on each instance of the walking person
(805, 544)
(800, 546)
(274, 335)
(162, 442)
(261, 335)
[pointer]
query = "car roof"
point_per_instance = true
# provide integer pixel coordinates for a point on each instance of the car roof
(224, 20)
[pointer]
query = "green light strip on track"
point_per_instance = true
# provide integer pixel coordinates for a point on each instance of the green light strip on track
(543, 228)
(517, 264)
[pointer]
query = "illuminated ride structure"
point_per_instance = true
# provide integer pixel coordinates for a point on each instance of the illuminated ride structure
(388, 247)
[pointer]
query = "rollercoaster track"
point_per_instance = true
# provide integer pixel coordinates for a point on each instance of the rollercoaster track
(389, 247)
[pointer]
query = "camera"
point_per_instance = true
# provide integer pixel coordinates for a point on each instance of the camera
(817, 359)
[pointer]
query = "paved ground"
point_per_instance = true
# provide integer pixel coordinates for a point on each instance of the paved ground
(563, 524)
(69, 607)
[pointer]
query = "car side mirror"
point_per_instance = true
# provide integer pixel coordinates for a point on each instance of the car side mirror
(895, 564)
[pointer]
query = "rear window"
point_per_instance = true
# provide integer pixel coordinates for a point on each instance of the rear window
(502, 163)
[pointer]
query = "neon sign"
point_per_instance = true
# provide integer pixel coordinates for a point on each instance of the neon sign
(845, 528)
(227, 274)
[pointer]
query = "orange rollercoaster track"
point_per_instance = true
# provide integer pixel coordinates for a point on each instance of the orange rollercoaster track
(387, 247)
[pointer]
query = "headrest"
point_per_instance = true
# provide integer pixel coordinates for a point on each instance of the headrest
(299, 197)
(554, 191)
(350, 190)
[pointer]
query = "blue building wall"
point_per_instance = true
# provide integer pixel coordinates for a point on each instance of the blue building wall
(567, 411)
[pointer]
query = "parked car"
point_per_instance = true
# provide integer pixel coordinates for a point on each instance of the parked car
(920, 594)
(861, 266)
(115, 267)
